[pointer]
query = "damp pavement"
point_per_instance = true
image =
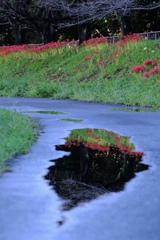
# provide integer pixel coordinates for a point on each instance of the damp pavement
(31, 209)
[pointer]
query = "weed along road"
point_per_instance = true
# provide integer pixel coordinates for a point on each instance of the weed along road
(32, 208)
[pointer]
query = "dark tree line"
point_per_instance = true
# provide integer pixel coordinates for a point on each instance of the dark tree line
(25, 21)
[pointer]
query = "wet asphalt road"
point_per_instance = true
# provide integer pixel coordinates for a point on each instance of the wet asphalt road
(31, 210)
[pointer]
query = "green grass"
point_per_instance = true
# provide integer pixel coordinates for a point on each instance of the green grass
(64, 74)
(17, 134)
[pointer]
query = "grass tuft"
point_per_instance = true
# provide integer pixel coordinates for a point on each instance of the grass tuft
(17, 132)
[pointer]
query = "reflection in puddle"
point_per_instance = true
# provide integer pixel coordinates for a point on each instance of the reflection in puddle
(134, 109)
(45, 112)
(71, 120)
(99, 162)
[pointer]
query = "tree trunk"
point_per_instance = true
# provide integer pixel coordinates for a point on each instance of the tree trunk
(84, 32)
(126, 26)
(16, 29)
(47, 33)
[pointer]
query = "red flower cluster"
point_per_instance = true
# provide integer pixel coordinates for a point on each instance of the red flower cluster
(154, 70)
(89, 132)
(15, 48)
(34, 48)
(96, 51)
(101, 148)
(120, 43)
(88, 57)
(130, 37)
(141, 67)
(115, 53)
(94, 41)
(148, 62)
(100, 63)
(138, 68)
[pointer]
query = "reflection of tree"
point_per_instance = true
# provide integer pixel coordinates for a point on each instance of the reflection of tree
(98, 167)
(87, 173)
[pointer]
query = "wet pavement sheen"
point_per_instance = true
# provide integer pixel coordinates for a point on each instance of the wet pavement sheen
(30, 209)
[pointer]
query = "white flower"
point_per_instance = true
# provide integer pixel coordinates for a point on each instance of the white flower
(152, 51)
(145, 48)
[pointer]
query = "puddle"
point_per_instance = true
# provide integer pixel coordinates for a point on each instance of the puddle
(100, 162)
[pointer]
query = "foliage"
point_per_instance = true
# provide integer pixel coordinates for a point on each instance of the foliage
(37, 21)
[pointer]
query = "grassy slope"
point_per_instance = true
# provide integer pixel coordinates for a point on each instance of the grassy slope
(63, 73)
(15, 138)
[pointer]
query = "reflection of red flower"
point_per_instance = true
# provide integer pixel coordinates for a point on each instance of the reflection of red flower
(89, 133)
(117, 139)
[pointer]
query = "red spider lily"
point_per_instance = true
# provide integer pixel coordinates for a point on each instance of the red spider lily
(138, 68)
(154, 61)
(117, 139)
(89, 132)
(116, 53)
(146, 74)
(77, 69)
(33, 48)
(88, 57)
(110, 58)
(101, 63)
(148, 62)
(15, 48)
(132, 37)
(95, 146)
(96, 51)
(125, 149)
(94, 41)
(120, 43)
(137, 154)
(104, 74)
(154, 70)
